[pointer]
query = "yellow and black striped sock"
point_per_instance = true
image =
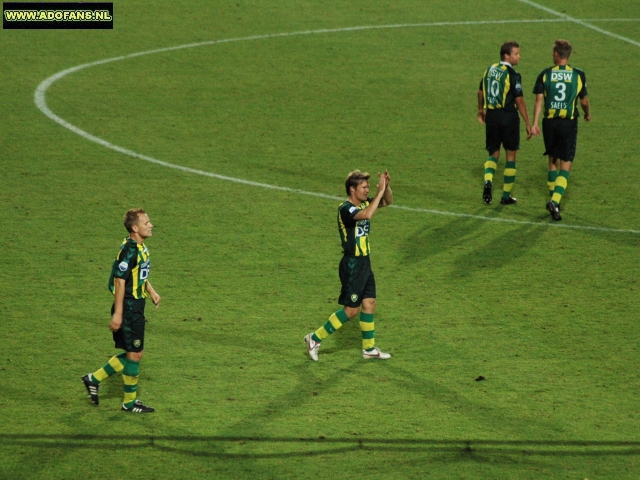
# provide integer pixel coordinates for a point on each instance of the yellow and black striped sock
(130, 376)
(335, 321)
(560, 187)
(114, 365)
(490, 168)
(552, 175)
(366, 327)
(509, 178)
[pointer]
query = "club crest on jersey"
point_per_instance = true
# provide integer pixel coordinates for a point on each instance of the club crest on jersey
(354, 297)
(123, 266)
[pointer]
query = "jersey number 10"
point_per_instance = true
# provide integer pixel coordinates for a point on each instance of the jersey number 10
(495, 88)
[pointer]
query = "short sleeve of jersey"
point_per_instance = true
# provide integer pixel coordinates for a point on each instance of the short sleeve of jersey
(126, 261)
(583, 93)
(538, 88)
(347, 212)
(516, 81)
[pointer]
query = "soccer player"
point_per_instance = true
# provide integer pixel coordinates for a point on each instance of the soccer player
(358, 283)
(499, 101)
(559, 88)
(129, 282)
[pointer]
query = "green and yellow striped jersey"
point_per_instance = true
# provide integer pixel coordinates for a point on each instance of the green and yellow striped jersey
(354, 233)
(500, 86)
(561, 85)
(132, 264)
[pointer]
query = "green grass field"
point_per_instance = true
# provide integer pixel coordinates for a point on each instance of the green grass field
(547, 313)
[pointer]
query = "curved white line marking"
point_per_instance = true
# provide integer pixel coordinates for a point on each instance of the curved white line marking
(41, 102)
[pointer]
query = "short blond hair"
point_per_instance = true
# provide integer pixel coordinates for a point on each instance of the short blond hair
(354, 179)
(132, 217)
(563, 48)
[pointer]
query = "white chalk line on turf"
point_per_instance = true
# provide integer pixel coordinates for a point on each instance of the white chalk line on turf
(41, 103)
(580, 22)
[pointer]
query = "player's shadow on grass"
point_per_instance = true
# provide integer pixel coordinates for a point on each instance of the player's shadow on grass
(627, 240)
(232, 447)
(498, 251)
(251, 447)
(429, 241)
(475, 247)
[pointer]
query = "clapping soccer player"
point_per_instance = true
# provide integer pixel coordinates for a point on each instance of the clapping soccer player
(358, 292)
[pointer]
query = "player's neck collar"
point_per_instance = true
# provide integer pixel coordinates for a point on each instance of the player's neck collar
(141, 244)
(506, 63)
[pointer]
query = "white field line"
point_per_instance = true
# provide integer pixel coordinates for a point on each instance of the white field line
(519, 222)
(581, 22)
(611, 20)
(41, 103)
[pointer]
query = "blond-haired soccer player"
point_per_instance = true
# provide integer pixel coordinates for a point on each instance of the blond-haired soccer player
(358, 292)
(129, 283)
(559, 89)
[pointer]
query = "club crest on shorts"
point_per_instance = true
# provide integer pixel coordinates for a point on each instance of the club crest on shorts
(354, 297)
(136, 343)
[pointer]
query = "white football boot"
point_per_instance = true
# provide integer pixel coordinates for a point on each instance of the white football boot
(375, 353)
(312, 347)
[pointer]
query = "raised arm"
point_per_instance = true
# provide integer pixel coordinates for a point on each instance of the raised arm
(387, 198)
(368, 212)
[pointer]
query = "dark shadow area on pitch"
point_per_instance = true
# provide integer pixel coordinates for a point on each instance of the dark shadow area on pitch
(308, 389)
(461, 233)
(499, 251)
(205, 446)
(428, 241)
(623, 239)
